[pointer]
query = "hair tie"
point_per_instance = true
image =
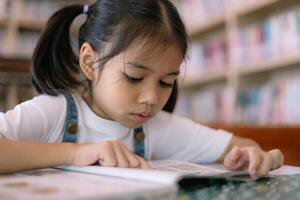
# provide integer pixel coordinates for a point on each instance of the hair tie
(86, 9)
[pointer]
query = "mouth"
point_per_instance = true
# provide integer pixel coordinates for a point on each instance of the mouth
(141, 117)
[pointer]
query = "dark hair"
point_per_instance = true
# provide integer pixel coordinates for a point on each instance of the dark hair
(55, 66)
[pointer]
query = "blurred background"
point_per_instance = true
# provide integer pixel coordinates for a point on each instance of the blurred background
(242, 75)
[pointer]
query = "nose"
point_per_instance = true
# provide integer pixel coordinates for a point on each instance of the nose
(149, 96)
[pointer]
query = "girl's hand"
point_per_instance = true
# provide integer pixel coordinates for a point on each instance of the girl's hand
(258, 162)
(109, 154)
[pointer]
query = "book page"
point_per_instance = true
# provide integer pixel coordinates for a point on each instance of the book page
(148, 175)
(193, 169)
(166, 172)
(286, 170)
(58, 184)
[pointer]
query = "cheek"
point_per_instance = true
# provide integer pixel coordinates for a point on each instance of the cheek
(164, 96)
(115, 94)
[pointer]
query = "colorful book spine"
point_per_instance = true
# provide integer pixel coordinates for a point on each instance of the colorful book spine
(274, 103)
(207, 55)
(26, 44)
(14, 89)
(276, 37)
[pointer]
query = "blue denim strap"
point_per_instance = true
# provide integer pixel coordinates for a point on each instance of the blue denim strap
(71, 124)
(139, 142)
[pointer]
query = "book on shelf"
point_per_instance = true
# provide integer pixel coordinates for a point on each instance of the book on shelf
(5, 6)
(207, 55)
(272, 103)
(14, 89)
(2, 40)
(276, 36)
(26, 43)
(3, 91)
(209, 106)
(199, 12)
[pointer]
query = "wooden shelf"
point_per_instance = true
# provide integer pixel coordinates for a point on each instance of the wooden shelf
(211, 24)
(3, 22)
(208, 77)
(242, 70)
(256, 7)
(32, 26)
(39, 26)
(264, 66)
(219, 21)
(263, 8)
(14, 65)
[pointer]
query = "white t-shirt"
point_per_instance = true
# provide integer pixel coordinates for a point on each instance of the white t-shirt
(168, 136)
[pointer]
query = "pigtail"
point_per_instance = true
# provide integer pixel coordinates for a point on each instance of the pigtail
(54, 63)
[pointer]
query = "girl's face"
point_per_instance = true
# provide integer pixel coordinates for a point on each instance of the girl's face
(132, 88)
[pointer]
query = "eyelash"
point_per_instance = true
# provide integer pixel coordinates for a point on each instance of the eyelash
(137, 80)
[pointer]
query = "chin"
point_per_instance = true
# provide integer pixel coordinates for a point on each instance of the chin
(132, 124)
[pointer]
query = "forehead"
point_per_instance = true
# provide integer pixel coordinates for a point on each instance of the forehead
(157, 57)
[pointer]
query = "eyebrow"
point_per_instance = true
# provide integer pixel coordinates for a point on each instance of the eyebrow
(140, 66)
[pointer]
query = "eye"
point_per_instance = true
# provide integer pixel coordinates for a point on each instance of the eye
(132, 79)
(165, 85)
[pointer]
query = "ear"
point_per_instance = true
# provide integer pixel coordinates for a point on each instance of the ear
(87, 59)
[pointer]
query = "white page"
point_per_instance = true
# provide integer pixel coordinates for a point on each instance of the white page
(148, 175)
(193, 169)
(286, 170)
(163, 172)
(58, 184)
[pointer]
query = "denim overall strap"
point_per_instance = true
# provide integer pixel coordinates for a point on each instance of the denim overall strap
(71, 125)
(70, 128)
(139, 144)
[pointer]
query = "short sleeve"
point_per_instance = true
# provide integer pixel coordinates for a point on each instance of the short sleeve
(175, 137)
(39, 119)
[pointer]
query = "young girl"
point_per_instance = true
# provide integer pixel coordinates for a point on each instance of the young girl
(112, 104)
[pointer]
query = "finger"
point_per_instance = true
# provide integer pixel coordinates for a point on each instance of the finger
(282, 160)
(243, 160)
(277, 157)
(255, 160)
(232, 158)
(109, 157)
(266, 165)
(120, 156)
(143, 163)
(132, 159)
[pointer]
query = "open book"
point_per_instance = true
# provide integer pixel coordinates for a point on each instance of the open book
(116, 183)
(169, 172)
(97, 182)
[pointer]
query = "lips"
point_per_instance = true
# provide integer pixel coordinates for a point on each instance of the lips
(140, 117)
(144, 114)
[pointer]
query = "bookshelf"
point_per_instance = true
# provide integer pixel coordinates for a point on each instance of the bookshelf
(253, 49)
(21, 22)
(255, 93)
(14, 65)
